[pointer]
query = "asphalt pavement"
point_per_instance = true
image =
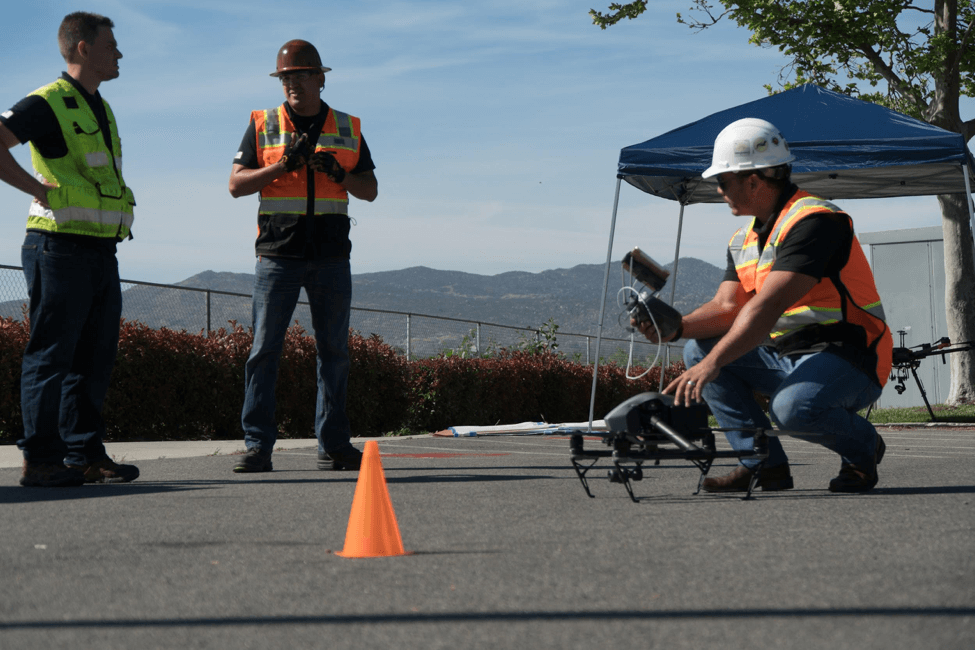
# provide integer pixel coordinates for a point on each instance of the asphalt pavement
(506, 551)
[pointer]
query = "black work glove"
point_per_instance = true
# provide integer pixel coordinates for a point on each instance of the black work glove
(666, 324)
(295, 153)
(324, 162)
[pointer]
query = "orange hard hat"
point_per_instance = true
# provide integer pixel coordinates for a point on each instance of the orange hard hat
(298, 55)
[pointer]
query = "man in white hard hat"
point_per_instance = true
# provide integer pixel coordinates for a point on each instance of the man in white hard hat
(796, 318)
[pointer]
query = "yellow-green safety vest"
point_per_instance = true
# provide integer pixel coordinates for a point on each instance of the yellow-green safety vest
(91, 197)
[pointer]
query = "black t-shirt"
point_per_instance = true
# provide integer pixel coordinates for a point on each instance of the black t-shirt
(247, 154)
(33, 120)
(817, 246)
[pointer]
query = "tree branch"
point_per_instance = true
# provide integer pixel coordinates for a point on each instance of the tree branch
(895, 82)
(630, 11)
(910, 7)
(963, 42)
(700, 25)
(968, 130)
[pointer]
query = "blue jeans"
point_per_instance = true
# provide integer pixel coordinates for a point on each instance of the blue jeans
(278, 281)
(818, 394)
(75, 306)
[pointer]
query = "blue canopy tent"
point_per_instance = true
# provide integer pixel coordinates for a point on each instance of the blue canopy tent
(845, 148)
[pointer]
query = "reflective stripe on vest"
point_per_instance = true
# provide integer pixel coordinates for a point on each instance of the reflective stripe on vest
(286, 205)
(793, 319)
(97, 159)
(744, 253)
(91, 197)
(341, 138)
(288, 194)
(74, 213)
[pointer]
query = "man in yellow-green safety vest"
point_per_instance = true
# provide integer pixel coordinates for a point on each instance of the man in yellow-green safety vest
(81, 209)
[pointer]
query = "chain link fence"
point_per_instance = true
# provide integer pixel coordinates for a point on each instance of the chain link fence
(417, 335)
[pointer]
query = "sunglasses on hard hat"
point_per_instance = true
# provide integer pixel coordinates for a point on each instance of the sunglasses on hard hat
(723, 183)
(298, 77)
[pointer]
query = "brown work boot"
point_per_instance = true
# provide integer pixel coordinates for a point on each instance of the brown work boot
(255, 460)
(769, 479)
(347, 458)
(51, 475)
(854, 478)
(107, 470)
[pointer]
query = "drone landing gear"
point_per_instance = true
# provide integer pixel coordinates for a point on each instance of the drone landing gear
(619, 473)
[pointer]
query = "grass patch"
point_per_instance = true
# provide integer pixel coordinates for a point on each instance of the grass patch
(964, 414)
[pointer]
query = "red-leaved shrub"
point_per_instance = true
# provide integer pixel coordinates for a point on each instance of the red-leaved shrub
(174, 385)
(517, 387)
(13, 340)
(170, 385)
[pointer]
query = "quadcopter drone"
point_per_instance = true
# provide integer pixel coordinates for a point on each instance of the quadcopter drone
(649, 427)
(909, 359)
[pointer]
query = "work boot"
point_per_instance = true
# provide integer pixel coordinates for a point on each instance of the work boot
(770, 479)
(255, 460)
(51, 475)
(346, 458)
(107, 470)
(859, 478)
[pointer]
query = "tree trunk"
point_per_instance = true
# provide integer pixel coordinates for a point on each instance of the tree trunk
(959, 294)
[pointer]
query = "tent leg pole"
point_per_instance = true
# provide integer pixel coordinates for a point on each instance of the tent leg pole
(602, 303)
(673, 291)
(971, 203)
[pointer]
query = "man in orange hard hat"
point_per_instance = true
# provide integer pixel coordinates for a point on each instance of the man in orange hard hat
(304, 158)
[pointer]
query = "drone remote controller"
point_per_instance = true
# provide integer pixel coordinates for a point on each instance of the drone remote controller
(645, 269)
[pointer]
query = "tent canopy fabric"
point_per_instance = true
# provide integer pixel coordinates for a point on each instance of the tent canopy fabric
(845, 148)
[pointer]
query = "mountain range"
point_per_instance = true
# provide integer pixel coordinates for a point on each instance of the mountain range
(569, 297)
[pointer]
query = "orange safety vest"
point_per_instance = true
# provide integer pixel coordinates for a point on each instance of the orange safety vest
(285, 227)
(826, 303)
(288, 194)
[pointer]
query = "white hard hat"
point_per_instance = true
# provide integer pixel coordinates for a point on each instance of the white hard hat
(749, 143)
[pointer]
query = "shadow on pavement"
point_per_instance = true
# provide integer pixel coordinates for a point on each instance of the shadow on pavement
(483, 617)
(934, 489)
(10, 494)
(17, 494)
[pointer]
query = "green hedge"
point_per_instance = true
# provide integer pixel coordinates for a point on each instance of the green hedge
(170, 385)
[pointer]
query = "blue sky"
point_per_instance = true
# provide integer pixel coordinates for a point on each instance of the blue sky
(495, 126)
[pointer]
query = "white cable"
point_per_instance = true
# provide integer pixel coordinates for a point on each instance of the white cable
(629, 358)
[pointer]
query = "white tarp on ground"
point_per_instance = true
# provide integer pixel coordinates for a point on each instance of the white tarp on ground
(521, 429)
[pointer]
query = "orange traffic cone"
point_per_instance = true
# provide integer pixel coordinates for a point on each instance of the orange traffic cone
(372, 530)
